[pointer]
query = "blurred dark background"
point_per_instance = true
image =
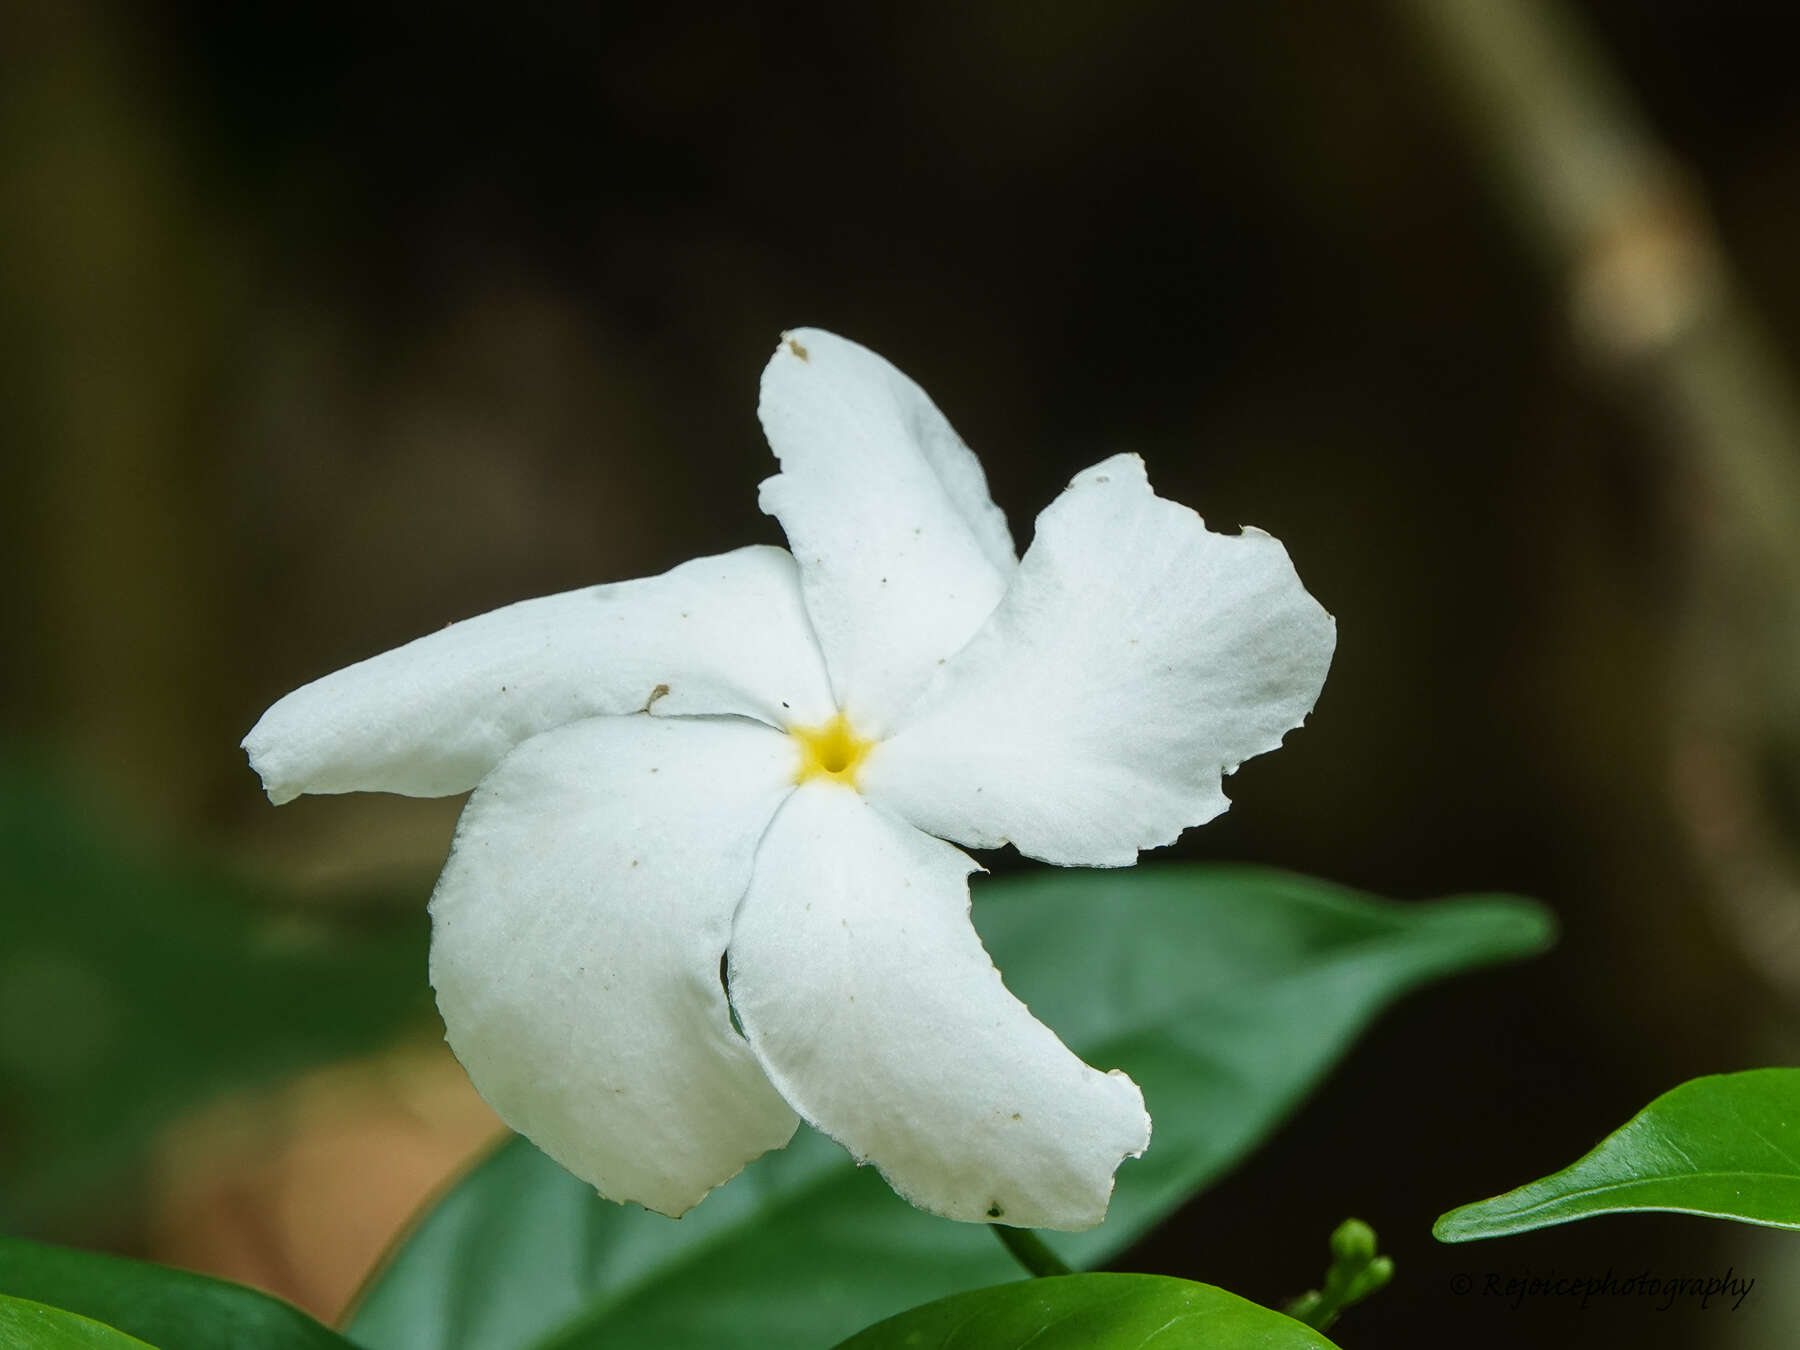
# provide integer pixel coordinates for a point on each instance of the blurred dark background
(321, 326)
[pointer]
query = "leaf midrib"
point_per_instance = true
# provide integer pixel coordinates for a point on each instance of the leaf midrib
(1642, 1183)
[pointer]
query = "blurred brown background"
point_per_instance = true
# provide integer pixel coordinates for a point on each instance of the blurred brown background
(321, 326)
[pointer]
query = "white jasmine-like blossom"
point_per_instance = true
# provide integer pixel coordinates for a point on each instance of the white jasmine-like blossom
(738, 787)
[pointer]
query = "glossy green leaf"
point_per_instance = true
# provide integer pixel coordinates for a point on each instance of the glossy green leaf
(1091, 1312)
(1726, 1146)
(170, 1308)
(1226, 992)
(25, 1325)
(133, 986)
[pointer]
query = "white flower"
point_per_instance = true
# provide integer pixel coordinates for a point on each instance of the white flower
(747, 768)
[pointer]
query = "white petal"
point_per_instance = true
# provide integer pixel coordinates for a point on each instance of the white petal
(577, 933)
(1136, 659)
(716, 635)
(870, 1001)
(902, 554)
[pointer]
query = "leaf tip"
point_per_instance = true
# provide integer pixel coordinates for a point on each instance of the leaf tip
(1452, 1225)
(1504, 927)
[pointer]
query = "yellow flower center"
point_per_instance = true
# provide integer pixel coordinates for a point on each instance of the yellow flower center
(830, 750)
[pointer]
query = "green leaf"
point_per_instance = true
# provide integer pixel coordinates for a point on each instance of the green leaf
(25, 1325)
(1225, 991)
(1726, 1146)
(133, 986)
(171, 1308)
(1091, 1312)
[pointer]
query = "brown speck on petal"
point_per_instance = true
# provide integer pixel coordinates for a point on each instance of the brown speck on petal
(797, 349)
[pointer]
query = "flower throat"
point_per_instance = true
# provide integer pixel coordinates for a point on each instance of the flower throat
(830, 750)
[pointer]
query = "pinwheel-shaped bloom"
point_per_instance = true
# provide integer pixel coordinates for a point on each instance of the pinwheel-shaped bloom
(729, 789)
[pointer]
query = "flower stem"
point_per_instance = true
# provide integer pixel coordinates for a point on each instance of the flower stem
(1356, 1272)
(1030, 1251)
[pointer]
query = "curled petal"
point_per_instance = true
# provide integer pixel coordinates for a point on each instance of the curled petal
(902, 554)
(716, 635)
(577, 934)
(867, 996)
(1136, 659)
